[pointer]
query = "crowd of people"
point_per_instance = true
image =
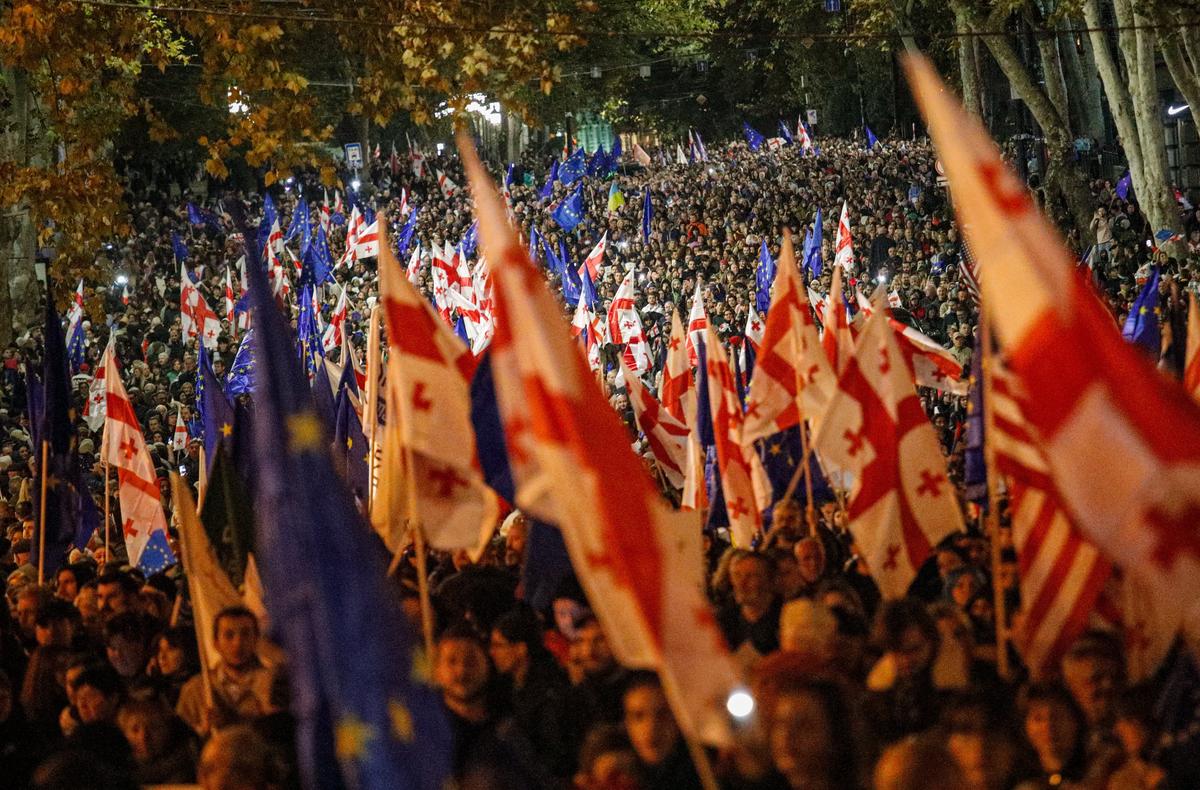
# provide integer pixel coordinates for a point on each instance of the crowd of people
(101, 683)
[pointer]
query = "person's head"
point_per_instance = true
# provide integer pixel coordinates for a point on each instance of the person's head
(127, 644)
(1094, 672)
(516, 639)
(1053, 725)
(568, 606)
(235, 637)
(648, 721)
(750, 577)
(606, 759)
(807, 626)
(810, 557)
(237, 758)
(591, 648)
(116, 592)
(1134, 723)
(917, 763)
(176, 652)
(905, 630)
(67, 583)
(57, 623)
(98, 691)
(462, 670)
(515, 536)
(30, 602)
(146, 725)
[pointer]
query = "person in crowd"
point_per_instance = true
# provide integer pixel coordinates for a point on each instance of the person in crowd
(240, 682)
(662, 761)
(750, 622)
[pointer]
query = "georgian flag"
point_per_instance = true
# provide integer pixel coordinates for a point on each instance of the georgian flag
(413, 270)
(366, 240)
(595, 259)
(448, 187)
(196, 317)
(94, 410)
(843, 251)
(666, 435)
(697, 323)
(334, 332)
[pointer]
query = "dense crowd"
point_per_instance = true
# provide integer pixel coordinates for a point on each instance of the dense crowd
(101, 682)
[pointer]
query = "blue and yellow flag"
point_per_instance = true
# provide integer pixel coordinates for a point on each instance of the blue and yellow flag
(616, 198)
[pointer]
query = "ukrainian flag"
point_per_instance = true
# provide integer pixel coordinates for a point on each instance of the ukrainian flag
(616, 198)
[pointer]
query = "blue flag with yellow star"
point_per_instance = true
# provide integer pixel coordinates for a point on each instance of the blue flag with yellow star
(781, 454)
(51, 418)
(569, 212)
(241, 372)
(350, 449)
(214, 412)
(573, 168)
(1142, 325)
(309, 336)
(366, 716)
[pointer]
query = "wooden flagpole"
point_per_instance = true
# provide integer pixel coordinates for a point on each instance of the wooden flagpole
(993, 494)
(42, 517)
(810, 513)
(107, 506)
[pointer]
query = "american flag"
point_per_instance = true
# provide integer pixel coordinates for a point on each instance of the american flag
(1061, 572)
(969, 269)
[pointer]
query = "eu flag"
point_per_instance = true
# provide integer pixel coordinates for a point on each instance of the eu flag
(51, 418)
(872, 140)
(241, 373)
(350, 450)
(614, 156)
(573, 168)
(311, 349)
(786, 133)
(812, 253)
(299, 226)
(406, 233)
(178, 248)
(213, 410)
(548, 188)
(781, 455)
(753, 137)
(598, 164)
(268, 220)
(647, 214)
(470, 240)
(764, 275)
(316, 264)
(569, 212)
(1142, 325)
(1124, 185)
(359, 704)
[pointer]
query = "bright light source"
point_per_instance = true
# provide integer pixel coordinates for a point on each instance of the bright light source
(236, 105)
(122, 279)
(1175, 110)
(882, 278)
(355, 184)
(441, 147)
(740, 704)
(291, 180)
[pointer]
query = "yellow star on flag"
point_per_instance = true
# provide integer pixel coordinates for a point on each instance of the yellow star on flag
(226, 429)
(350, 738)
(402, 722)
(304, 432)
(422, 668)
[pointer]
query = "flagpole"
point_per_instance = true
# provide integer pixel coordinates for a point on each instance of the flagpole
(107, 506)
(810, 513)
(675, 699)
(202, 483)
(42, 517)
(371, 403)
(993, 496)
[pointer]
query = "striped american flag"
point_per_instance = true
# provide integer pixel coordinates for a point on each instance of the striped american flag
(969, 269)
(1061, 572)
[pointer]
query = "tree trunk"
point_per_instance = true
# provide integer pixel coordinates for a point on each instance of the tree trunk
(1083, 86)
(967, 68)
(1052, 72)
(1184, 71)
(1064, 179)
(1120, 101)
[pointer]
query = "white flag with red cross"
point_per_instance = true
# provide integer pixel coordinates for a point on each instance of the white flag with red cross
(843, 250)
(677, 389)
(567, 447)
(666, 435)
(448, 187)
(735, 460)
(1121, 442)
(755, 327)
(931, 363)
(836, 336)
(94, 409)
(429, 426)
(124, 448)
(902, 502)
(593, 264)
(697, 323)
(332, 337)
(196, 317)
(792, 377)
(625, 326)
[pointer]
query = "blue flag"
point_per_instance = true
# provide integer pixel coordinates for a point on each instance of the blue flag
(50, 423)
(268, 220)
(786, 133)
(614, 155)
(647, 214)
(812, 254)
(573, 168)
(406, 233)
(533, 243)
(299, 226)
(350, 649)
(179, 248)
(598, 164)
(588, 290)
(470, 240)
(781, 454)
(213, 408)
(316, 262)
(350, 449)
(489, 431)
(76, 346)
(548, 189)
(1142, 325)
(201, 216)
(322, 389)
(752, 136)
(241, 373)
(1124, 185)
(872, 140)
(764, 275)
(974, 464)
(569, 212)
(311, 349)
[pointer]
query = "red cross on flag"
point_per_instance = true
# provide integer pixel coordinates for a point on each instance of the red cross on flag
(413, 270)
(625, 326)
(366, 240)
(666, 435)
(843, 249)
(179, 436)
(754, 329)
(931, 363)
(697, 323)
(836, 337)
(736, 462)
(332, 338)
(230, 301)
(568, 449)
(1121, 442)
(448, 187)
(792, 377)
(94, 409)
(354, 225)
(902, 502)
(677, 390)
(593, 264)
(1191, 366)
(124, 448)
(196, 316)
(430, 467)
